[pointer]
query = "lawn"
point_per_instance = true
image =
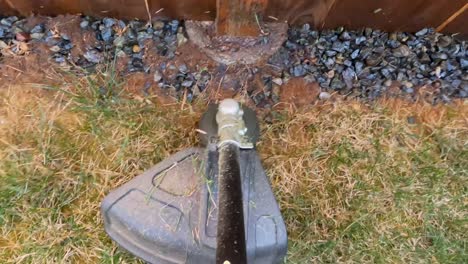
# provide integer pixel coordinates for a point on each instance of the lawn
(382, 182)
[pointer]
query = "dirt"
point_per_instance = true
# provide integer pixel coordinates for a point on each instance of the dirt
(231, 50)
(31, 68)
(70, 26)
(299, 92)
(36, 65)
(187, 54)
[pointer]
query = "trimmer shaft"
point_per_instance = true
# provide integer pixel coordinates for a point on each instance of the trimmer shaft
(170, 213)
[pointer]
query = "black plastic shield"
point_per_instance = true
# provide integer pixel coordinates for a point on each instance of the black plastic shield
(169, 213)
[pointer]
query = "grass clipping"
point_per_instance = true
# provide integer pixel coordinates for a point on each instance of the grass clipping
(356, 184)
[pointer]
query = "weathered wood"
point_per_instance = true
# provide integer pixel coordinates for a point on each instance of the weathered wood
(239, 17)
(457, 23)
(5, 8)
(391, 14)
(124, 9)
(453, 17)
(298, 12)
(387, 15)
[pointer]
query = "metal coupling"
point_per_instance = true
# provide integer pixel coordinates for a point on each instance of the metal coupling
(231, 125)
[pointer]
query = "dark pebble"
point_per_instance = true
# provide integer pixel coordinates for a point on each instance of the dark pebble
(422, 32)
(373, 59)
(386, 72)
(424, 58)
(348, 76)
(38, 29)
(65, 37)
(84, 24)
(358, 66)
(348, 63)
(456, 83)
(408, 90)
(360, 40)
(337, 84)
(439, 56)
(298, 71)
(402, 51)
(444, 41)
(187, 83)
(93, 56)
(59, 59)
(137, 63)
(338, 46)
(106, 34)
(330, 62)
(108, 22)
(464, 63)
(355, 54)
(7, 22)
(183, 68)
(174, 25)
(330, 53)
(345, 36)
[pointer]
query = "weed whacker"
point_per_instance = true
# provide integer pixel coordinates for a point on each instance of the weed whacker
(203, 205)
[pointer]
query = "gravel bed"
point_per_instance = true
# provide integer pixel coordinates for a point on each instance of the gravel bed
(364, 64)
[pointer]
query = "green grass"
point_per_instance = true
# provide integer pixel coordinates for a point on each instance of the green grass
(355, 184)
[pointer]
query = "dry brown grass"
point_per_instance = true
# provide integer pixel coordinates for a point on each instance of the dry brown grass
(60, 154)
(360, 184)
(355, 183)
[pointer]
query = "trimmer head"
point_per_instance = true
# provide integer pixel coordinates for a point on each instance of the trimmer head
(169, 214)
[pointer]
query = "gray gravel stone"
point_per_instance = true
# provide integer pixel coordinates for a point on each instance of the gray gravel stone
(324, 96)
(93, 56)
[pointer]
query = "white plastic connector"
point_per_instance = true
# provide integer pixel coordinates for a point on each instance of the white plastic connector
(229, 107)
(231, 126)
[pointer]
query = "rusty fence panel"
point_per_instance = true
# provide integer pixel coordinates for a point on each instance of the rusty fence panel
(384, 14)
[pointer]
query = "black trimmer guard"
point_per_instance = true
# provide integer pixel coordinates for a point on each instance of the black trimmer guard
(169, 213)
